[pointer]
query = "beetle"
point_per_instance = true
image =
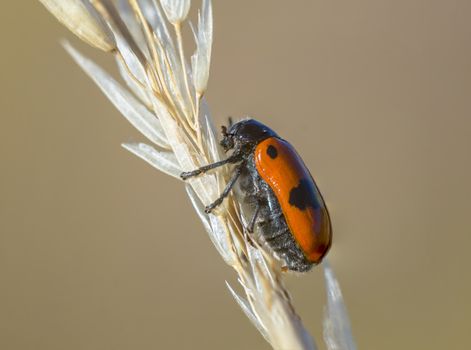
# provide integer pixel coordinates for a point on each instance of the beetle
(276, 185)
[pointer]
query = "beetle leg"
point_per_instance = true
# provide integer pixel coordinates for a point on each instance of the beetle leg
(234, 158)
(252, 222)
(227, 190)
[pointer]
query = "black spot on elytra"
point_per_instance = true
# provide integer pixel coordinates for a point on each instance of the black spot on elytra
(303, 196)
(272, 152)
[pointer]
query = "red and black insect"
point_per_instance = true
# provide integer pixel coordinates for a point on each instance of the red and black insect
(286, 204)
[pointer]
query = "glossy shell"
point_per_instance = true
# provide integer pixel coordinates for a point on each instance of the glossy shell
(304, 210)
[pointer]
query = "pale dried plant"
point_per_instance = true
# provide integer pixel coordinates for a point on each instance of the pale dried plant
(163, 98)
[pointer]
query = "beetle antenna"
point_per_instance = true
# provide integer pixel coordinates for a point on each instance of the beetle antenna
(224, 130)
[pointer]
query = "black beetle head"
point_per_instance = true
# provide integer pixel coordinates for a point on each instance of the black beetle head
(245, 133)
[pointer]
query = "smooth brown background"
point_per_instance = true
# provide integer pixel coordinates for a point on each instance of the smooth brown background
(100, 251)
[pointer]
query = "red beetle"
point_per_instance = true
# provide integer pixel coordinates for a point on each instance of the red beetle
(286, 203)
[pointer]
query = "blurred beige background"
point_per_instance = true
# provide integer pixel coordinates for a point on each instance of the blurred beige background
(100, 251)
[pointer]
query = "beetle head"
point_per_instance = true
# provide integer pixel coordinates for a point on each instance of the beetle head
(246, 133)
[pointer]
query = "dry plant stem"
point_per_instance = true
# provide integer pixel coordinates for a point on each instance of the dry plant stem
(164, 100)
(178, 31)
(197, 123)
(154, 65)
